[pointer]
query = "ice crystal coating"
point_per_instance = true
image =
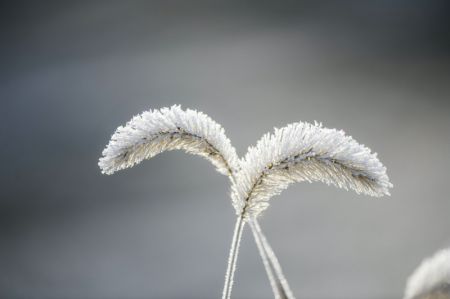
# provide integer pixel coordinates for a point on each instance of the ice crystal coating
(431, 280)
(298, 152)
(305, 152)
(156, 131)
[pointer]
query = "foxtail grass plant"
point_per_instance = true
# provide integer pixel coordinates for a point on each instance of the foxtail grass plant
(298, 152)
(431, 280)
(156, 131)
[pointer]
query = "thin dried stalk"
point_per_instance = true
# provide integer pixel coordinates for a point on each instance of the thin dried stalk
(278, 282)
(232, 258)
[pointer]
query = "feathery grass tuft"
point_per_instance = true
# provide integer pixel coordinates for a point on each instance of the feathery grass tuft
(155, 131)
(305, 152)
(298, 152)
(431, 280)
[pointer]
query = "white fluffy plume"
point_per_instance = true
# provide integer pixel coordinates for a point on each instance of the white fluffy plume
(305, 152)
(431, 280)
(155, 131)
(298, 152)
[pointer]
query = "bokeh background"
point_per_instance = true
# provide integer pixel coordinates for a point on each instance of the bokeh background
(71, 72)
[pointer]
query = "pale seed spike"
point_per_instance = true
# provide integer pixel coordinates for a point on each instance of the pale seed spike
(305, 152)
(431, 280)
(155, 131)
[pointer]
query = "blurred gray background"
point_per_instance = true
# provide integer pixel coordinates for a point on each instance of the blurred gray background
(72, 72)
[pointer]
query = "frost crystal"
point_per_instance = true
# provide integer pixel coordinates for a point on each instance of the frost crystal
(155, 131)
(431, 280)
(305, 152)
(298, 152)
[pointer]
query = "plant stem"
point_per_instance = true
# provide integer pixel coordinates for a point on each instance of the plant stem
(269, 269)
(278, 282)
(232, 258)
(280, 286)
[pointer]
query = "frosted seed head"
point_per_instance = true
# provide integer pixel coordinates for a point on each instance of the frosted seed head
(305, 152)
(431, 280)
(165, 129)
